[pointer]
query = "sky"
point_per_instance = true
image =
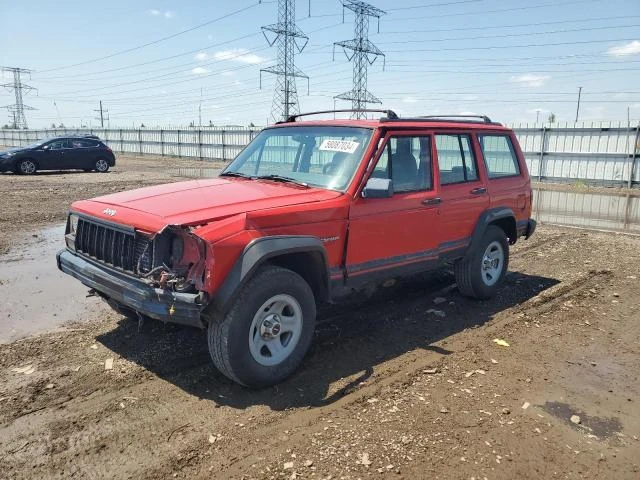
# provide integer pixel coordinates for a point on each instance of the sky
(158, 62)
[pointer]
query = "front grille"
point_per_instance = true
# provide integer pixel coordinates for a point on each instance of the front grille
(117, 248)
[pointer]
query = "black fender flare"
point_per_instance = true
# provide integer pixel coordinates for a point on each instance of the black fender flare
(257, 253)
(487, 218)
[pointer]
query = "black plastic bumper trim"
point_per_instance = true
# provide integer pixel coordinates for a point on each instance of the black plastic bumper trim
(164, 305)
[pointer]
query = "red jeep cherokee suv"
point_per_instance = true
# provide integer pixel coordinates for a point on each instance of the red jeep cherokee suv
(308, 212)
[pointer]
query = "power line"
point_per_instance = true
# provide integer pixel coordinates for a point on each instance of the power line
(154, 42)
(364, 53)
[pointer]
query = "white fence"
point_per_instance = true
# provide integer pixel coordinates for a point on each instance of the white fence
(603, 154)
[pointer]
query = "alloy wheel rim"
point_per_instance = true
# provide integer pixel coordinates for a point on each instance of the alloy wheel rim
(275, 330)
(101, 165)
(27, 167)
(492, 263)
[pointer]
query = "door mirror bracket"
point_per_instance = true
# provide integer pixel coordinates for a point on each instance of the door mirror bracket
(378, 188)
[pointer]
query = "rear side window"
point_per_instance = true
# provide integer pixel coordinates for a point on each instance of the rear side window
(455, 159)
(76, 143)
(499, 156)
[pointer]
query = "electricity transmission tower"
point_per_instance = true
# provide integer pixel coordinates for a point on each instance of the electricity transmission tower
(289, 39)
(17, 109)
(363, 53)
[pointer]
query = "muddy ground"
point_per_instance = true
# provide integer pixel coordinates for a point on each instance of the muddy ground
(400, 385)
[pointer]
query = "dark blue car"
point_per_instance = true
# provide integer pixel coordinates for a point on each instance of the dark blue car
(62, 153)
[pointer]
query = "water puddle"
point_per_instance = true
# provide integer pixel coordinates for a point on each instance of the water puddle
(36, 296)
(600, 427)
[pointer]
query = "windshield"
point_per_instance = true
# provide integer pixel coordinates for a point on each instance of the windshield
(320, 156)
(35, 144)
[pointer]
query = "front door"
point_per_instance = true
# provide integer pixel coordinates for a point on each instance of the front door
(463, 190)
(399, 234)
(53, 157)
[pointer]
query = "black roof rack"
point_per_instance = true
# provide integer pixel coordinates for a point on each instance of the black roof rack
(448, 118)
(391, 115)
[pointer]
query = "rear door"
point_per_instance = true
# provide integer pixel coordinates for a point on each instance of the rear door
(393, 236)
(507, 179)
(82, 153)
(463, 189)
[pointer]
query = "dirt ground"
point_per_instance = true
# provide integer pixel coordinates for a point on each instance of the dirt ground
(400, 385)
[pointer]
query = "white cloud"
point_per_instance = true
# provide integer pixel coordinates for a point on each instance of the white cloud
(409, 100)
(201, 56)
(241, 55)
(530, 79)
(631, 48)
(156, 13)
(199, 71)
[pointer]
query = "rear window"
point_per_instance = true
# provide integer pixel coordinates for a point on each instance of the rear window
(499, 156)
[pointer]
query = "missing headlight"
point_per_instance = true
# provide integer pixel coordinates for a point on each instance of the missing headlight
(177, 249)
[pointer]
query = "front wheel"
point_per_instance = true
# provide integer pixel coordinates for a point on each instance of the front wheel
(480, 274)
(101, 165)
(268, 330)
(27, 167)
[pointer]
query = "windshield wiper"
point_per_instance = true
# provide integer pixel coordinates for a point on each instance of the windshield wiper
(282, 178)
(235, 174)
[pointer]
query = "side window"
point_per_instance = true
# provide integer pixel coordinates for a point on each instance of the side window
(407, 162)
(455, 159)
(58, 145)
(499, 156)
(76, 143)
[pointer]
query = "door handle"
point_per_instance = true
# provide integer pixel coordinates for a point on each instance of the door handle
(478, 191)
(432, 201)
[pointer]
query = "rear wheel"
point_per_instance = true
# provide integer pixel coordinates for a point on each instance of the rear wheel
(480, 274)
(268, 330)
(27, 167)
(101, 165)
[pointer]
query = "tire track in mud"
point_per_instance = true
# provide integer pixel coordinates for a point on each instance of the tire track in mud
(392, 373)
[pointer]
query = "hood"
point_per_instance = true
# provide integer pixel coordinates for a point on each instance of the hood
(12, 150)
(197, 202)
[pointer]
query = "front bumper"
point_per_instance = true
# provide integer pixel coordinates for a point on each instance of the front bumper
(165, 305)
(6, 164)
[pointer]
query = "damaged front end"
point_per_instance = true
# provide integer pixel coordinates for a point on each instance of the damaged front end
(160, 275)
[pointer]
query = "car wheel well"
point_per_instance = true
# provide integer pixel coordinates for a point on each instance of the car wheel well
(310, 266)
(508, 226)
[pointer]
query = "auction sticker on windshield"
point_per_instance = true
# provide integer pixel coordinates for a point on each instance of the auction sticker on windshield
(346, 146)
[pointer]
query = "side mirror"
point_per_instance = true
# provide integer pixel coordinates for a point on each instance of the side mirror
(378, 188)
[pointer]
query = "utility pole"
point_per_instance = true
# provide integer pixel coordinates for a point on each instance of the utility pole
(289, 39)
(200, 110)
(102, 113)
(363, 53)
(17, 109)
(578, 107)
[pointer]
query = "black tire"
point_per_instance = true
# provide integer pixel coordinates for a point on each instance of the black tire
(26, 166)
(229, 335)
(469, 272)
(101, 165)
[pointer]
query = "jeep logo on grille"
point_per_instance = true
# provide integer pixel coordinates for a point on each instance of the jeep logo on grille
(109, 211)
